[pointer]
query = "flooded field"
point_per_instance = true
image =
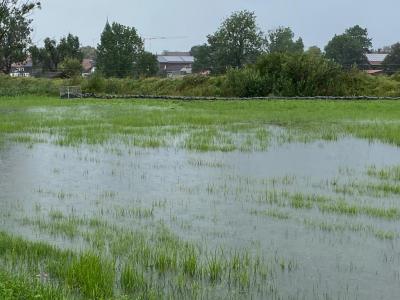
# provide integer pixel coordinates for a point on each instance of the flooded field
(172, 200)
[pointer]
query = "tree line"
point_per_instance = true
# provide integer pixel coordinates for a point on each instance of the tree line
(238, 43)
(120, 54)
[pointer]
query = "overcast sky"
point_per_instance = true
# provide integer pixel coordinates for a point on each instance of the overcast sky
(316, 21)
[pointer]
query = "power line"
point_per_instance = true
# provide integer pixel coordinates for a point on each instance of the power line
(152, 38)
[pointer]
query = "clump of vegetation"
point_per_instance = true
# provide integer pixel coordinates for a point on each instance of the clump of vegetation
(14, 287)
(389, 173)
(246, 82)
(133, 263)
(300, 74)
(92, 275)
(132, 281)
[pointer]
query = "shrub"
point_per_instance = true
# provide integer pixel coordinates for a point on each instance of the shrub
(245, 82)
(303, 74)
(113, 86)
(396, 76)
(71, 67)
(94, 84)
(358, 83)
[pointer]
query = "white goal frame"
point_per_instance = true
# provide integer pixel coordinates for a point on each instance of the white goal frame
(70, 92)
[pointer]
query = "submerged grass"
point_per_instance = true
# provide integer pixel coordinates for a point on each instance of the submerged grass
(17, 287)
(341, 206)
(272, 213)
(388, 173)
(92, 275)
(354, 227)
(139, 264)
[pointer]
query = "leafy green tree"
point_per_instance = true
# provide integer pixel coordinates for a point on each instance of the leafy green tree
(202, 58)
(69, 48)
(282, 40)
(52, 54)
(314, 50)
(71, 67)
(15, 31)
(147, 65)
(119, 51)
(392, 61)
(349, 48)
(47, 57)
(237, 42)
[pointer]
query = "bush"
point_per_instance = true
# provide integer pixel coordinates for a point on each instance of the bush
(287, 74)
(71, 67)
(396, 76)
(94, 84)
(245, 82)
(303, 74)
(358, 83)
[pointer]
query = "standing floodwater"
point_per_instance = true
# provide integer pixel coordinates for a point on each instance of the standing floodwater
(287, 202)
(160, 200)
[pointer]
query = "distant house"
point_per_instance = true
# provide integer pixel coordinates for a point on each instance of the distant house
(175, 63)
(88, 67)
(22, 69)
(375, 61)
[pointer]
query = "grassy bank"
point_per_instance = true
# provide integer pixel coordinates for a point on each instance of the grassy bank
(189, 86)
(235, 84)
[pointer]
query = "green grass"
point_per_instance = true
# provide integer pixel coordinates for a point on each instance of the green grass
(13, 287)
(132, 281)
(92, 275)
(300, 200)
(210, 126)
